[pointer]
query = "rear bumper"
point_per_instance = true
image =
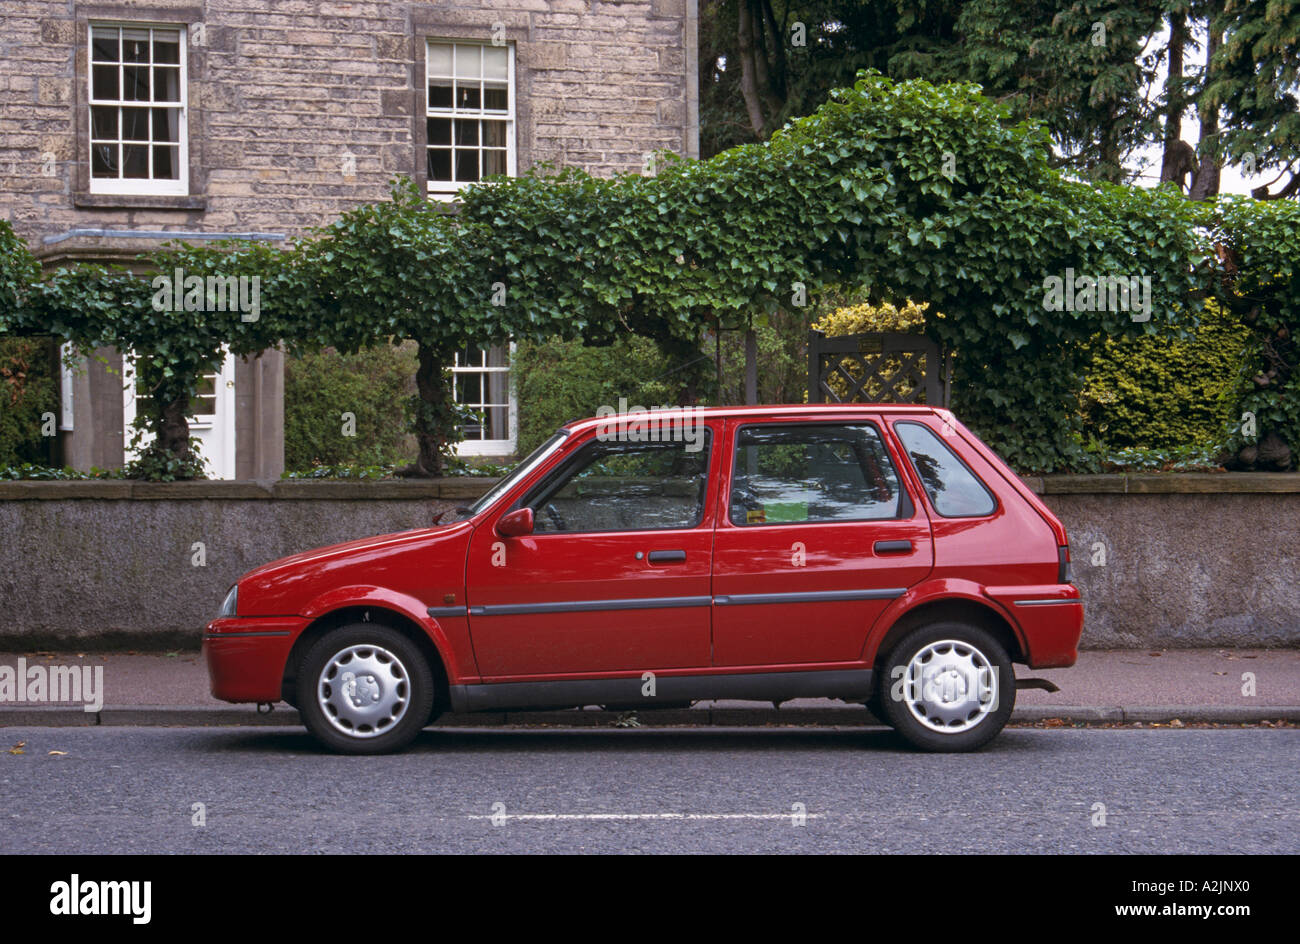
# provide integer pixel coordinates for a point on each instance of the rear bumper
(1050, 618)
(246, 656)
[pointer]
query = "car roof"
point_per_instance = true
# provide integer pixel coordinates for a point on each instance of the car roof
(793, 410)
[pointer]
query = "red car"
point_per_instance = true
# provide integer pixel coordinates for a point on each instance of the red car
(874, 554)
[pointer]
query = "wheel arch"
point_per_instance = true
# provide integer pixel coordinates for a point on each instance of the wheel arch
(958, 609)
(366, 613)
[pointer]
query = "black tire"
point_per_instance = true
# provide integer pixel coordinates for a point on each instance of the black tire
(953, 723)
(392, 670)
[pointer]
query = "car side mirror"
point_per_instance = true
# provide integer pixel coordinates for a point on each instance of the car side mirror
(516, 524)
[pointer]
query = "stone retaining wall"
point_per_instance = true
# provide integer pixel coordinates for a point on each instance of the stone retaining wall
(1162, 561)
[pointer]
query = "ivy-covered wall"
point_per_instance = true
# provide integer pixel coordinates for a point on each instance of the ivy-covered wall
(890, 191)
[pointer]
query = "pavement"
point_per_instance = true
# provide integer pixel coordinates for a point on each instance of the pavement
(1189, 686)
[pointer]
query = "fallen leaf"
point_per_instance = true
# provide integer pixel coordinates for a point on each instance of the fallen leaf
(1153, 653)
(58, 753)
(1175, 723)
(18, 748)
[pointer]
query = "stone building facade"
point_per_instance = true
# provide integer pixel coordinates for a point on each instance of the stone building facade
(125, 124)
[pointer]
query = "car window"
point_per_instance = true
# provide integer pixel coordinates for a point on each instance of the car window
(521, 472)
(812, 472)
(954, 490)
(618, 486)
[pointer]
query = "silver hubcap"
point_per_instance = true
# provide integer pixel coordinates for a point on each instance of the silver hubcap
(950, 686)
(364, 691)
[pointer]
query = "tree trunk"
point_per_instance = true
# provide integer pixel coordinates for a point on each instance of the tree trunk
(1291, 188)
(1170, 168)
(435, 416)
(751, 366)
(173, 429)
(692, 373)
(719, 380)
(777, 83)
(749, 68)
(1111, 156)
(1205, 182)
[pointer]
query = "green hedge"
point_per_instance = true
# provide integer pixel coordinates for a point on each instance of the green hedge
(28, 389)
(319, 388)
(1163, 391)
(905, 189)
(558, 381)
(1261, 243)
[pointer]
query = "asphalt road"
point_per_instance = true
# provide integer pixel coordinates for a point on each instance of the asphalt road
(127, 790)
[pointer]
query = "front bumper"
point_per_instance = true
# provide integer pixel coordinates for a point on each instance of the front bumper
(246, 656)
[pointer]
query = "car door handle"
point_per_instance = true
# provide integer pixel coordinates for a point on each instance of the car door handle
(892, 547)
(667, 557)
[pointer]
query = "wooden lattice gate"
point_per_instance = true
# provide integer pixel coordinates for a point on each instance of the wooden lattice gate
(877, 368)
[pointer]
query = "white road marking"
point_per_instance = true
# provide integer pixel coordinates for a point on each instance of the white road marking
(642, 816)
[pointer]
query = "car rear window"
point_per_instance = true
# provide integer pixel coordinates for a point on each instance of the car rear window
(809, 472)
(954, 490)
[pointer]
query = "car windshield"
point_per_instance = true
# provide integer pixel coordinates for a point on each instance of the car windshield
(535, 458)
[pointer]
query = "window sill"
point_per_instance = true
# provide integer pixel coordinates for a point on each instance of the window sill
(126, 201)
(485, 447)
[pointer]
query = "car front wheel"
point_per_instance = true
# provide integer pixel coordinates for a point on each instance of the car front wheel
(948, 687)
(365, 689)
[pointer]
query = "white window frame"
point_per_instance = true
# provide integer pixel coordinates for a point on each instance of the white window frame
(490, 447)
(446, 190)
(137, 186)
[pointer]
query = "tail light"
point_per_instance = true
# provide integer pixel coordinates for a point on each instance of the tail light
(1063, 568)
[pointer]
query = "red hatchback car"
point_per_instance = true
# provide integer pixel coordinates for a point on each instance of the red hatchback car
(874, 554)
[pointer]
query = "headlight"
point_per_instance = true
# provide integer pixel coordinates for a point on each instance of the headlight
(230, 604)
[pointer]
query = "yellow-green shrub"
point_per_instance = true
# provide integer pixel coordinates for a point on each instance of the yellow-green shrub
(1161, 390)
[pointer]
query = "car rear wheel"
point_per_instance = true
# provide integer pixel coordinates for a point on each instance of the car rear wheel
(948, 687)
(365, 689)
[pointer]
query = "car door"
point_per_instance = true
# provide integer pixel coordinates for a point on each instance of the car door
(817, 535)
(615, 576)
